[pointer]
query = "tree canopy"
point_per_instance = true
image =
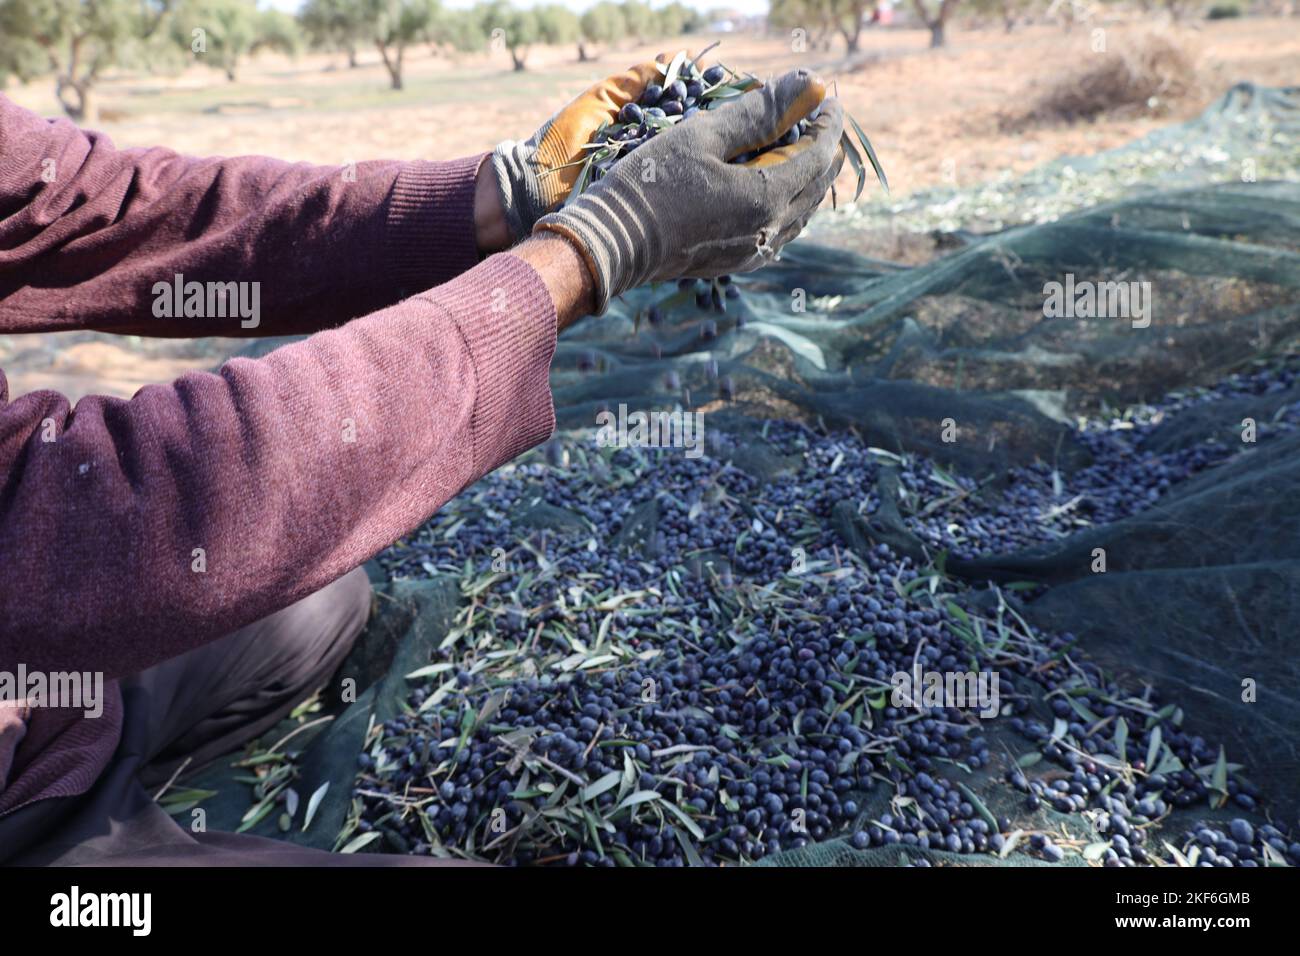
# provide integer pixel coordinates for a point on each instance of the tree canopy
(222, 33)
(77, 41)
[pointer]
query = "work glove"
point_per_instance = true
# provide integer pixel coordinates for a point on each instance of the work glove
(677, 208)
(535, 176)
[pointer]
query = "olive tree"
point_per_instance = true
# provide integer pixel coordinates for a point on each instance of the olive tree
(1010, 12)
(394, 25)
(847, 15)
(334, 25)
(640, 20)
(76, 41)
(603, 23)
(521, 31)
(817, 19)
(557, 25)
(461, 30)
(223, 33)
(20, 57)
(515, 29)
(676, 19)
(934, 14)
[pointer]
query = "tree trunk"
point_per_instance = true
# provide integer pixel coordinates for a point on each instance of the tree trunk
(518, 59)
(352, 56)
(852, 38)
(936, 24)
(393, 65)
(583, 55)
(76, 99)
(78, 105)
(853, 34)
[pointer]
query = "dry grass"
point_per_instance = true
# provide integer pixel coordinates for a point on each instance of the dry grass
(1146, 74)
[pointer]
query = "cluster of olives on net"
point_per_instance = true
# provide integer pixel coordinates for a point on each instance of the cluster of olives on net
(758, 709)
(1127, 474)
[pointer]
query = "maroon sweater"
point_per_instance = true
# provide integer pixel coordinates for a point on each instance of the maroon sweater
(287, 471)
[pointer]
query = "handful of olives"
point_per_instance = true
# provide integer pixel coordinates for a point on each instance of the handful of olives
(685, 90)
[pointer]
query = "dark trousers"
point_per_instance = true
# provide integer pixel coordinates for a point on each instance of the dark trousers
(199, 706)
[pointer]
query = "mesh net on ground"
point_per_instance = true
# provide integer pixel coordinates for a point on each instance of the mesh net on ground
(1060, 461)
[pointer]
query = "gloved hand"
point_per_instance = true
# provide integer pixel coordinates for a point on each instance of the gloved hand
(533, 177)
(676, 208)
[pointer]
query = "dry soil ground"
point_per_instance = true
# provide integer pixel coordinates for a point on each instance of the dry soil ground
(932, 115)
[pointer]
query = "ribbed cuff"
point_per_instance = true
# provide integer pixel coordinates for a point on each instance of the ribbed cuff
(510, 166)
(429, 234)
(508, 321)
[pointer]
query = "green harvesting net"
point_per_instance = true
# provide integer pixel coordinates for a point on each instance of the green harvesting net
(1060, 462)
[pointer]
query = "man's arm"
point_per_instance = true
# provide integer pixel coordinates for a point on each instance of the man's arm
(565, 274)
(88, 231)
(131, 531)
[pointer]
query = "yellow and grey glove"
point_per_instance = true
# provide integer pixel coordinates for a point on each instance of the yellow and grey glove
(677, 208)
(534, 177)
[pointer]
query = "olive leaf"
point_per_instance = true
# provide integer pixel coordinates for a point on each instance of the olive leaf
(1219, 780)
(177, 802)
(871, 153)
(1153, 749)
(357, 842)
(313, 804)
(851, 154)
(978, 805)
(674, 69)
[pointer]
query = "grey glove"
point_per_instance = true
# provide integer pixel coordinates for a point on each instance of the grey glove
(518, 186)
(676, 208)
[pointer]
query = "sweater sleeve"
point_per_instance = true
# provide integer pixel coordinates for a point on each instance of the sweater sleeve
(131, 531)
(92, 236)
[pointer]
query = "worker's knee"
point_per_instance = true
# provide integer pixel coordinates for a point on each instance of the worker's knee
(304, 643)
(352, 602)
(335, 615)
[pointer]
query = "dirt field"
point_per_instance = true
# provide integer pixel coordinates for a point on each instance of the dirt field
(932, 116)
